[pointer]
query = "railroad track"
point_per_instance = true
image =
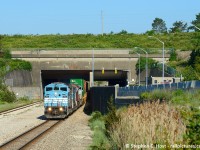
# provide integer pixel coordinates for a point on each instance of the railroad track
(18, 108)
(26, 139)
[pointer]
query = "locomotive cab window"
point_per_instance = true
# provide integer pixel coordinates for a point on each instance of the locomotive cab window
(63, 89)
(48, 88)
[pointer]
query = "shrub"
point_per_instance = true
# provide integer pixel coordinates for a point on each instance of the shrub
(193, 128)
(156, 95)
(95, 116)
(97, 124)
(2, 62)
(7, 54)
(173, 56)
(161, 95)
(111, 117)
(189, 74)
(100, 141)
(144, 96)
(6, 95)
(15, 64)
(20, 65)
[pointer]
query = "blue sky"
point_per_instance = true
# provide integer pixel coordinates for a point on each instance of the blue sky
(84, 16)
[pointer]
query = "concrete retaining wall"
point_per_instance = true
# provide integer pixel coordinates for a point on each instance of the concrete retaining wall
(30, 92)
(18, 78)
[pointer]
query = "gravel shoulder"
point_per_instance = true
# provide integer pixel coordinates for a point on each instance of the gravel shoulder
(73, 134)
(17, 122)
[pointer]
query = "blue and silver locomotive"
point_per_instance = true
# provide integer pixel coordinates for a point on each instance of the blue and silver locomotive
(61, 99)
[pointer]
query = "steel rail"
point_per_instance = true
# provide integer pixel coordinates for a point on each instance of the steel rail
(26, 138)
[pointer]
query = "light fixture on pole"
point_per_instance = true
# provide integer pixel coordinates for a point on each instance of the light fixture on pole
(196, 27)
(163, 55)
(146, 65)
(139, 64)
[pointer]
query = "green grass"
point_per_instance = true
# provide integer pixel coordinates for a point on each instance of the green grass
(186, 98)
(6, 106)
(181, 41)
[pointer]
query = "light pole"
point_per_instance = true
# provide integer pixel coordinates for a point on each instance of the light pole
(163, 55)
(139, 65)
(146, 65)
(196, 27)
(93, 67)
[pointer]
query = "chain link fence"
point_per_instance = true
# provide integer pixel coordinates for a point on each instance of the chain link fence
(170, 70)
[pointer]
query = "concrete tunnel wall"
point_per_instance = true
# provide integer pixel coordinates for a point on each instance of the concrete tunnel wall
(81, 64)
(44, 59)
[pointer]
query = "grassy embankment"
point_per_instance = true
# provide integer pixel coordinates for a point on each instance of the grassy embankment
(8, 99)
(180, 41)
(175, 120)
(20, 102)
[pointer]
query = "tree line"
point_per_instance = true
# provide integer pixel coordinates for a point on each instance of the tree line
(159, 26)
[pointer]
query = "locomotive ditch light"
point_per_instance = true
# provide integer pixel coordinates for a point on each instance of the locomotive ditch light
(60, 109)
(49, 109)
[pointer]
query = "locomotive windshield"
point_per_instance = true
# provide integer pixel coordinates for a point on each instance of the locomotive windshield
(63, 89)
(48, 88)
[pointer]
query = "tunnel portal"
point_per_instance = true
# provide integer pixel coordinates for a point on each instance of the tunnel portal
(113, 78)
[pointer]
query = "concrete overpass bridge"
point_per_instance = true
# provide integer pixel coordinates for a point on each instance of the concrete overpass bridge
(61, 65)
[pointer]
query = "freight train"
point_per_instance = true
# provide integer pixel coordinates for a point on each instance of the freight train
(61, 99)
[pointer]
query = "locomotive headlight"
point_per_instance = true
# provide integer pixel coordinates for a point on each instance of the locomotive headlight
(49, 109)
(60, 109)
(56, 94)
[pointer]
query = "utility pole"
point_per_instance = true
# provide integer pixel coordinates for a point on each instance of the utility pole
(102, 22)
(93, 67)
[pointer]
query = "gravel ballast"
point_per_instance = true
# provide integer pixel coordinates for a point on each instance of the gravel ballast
(73, 134)
(17, 122)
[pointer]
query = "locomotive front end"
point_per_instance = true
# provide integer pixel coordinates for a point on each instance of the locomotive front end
(56, 100)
